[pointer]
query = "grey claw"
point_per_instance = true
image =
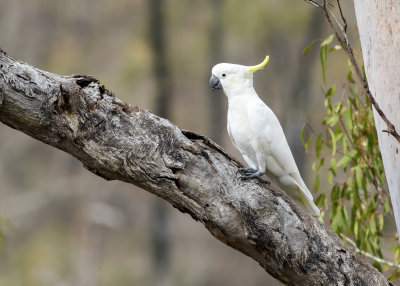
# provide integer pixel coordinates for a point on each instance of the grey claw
(246, 171)
(250, 173)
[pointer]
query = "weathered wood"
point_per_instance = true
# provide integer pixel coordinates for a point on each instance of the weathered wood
(121, 142)
(379, 27)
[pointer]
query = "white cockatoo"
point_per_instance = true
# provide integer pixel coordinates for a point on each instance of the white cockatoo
(256, 132)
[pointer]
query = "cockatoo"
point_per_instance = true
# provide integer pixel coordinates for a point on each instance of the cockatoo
(256, 132)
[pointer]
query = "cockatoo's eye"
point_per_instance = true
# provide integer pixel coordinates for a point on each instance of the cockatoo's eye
(223, 75)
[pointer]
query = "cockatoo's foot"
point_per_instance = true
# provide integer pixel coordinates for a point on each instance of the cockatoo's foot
(244, 172)
(249, 173)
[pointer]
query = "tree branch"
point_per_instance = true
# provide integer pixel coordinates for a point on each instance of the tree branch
(121, 142)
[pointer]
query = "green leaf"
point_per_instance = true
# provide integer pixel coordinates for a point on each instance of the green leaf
(344, 144)
(381, 221)
(333, 139)
(331, 91)
(347, 118)
(338, 107)
(370, 247)
(346, 158)
(353, 153)
(363, 72)
(364, 182)
(333, 166)
(344, 161)
(321, 217)
(332, 120)
(308, 48)
(302, 135)
(338, 133)
(320, 201)
(327, 41)
(335, 48)
(357, 174)
(377, 266)
(396, 255)
(395, 275)
(386, 205)
(307, 144)
(344, 192)
(337, 221)
(335, 193)
(372, 224)
(321, 163)
(322, 54)
(355, 229)
(318, 145)
(350, 76)
(316, 183)
(327, 102)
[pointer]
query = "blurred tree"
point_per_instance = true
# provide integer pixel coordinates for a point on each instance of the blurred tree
(217, 120)
(300, 92)
(159, 224)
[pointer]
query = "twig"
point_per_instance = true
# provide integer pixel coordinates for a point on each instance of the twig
(369, 255)
(343, 18)
(338, 23)
(345, 44)
(312, 2)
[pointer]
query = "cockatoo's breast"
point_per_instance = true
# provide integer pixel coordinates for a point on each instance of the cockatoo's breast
(240, 129)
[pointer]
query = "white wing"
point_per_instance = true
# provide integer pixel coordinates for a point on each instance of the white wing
(231, 137)
(270, 137)
(271, 141)
(240, 140)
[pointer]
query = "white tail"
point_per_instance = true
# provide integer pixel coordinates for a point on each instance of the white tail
(311, 207)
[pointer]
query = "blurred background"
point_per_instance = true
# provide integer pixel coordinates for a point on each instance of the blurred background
(66, 226)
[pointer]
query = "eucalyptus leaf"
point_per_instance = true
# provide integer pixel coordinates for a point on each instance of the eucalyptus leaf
(323, 57)
(308, 48)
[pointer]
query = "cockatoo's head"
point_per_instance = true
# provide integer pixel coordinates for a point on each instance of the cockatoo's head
(234, 79)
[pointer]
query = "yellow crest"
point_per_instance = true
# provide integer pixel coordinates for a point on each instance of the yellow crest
(259, 66)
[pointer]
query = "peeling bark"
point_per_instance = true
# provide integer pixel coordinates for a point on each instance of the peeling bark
(118, 141)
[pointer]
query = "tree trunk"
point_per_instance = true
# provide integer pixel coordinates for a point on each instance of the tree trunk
(160, 233)
(121, 142)
(300, 91)
(379, 28)
(217, 100)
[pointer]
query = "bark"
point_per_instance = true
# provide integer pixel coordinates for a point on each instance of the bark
(379, 28)
(118, 141)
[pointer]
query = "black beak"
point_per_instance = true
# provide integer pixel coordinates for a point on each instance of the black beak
(215, 83)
